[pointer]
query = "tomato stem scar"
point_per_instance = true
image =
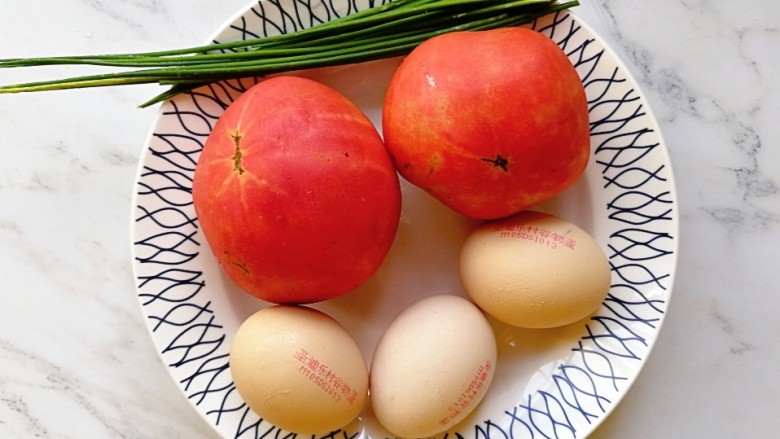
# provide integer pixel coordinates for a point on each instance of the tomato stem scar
(498, 162)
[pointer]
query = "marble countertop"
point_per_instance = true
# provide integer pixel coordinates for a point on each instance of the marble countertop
(76, 360)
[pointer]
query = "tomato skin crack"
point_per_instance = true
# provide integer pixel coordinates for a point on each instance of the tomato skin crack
(238, 155)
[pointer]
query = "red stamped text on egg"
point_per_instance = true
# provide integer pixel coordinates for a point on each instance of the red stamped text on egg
(539, 235)
(324, 377)
(467, 397)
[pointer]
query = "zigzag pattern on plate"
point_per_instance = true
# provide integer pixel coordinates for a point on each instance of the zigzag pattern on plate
(580, 390)
(172, 295)
(588, 383)
(272, 17)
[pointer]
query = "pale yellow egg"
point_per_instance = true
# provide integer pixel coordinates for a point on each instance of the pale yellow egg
(299, 369)
(534, 270)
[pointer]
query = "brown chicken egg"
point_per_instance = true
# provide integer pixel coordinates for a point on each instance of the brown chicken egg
(299, 369)
(534, 270)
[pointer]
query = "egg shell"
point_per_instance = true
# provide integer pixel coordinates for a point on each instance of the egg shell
(299, 369)
(432, 366)
(534, 270)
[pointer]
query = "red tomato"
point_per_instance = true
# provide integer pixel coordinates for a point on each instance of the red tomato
(295, 192)
(490, 123)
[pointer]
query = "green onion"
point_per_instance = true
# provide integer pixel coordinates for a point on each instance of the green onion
(393, 29)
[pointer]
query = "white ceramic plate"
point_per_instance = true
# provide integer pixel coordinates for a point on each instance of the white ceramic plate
(558, 383)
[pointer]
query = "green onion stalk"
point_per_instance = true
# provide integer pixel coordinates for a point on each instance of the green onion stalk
(385, 31)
